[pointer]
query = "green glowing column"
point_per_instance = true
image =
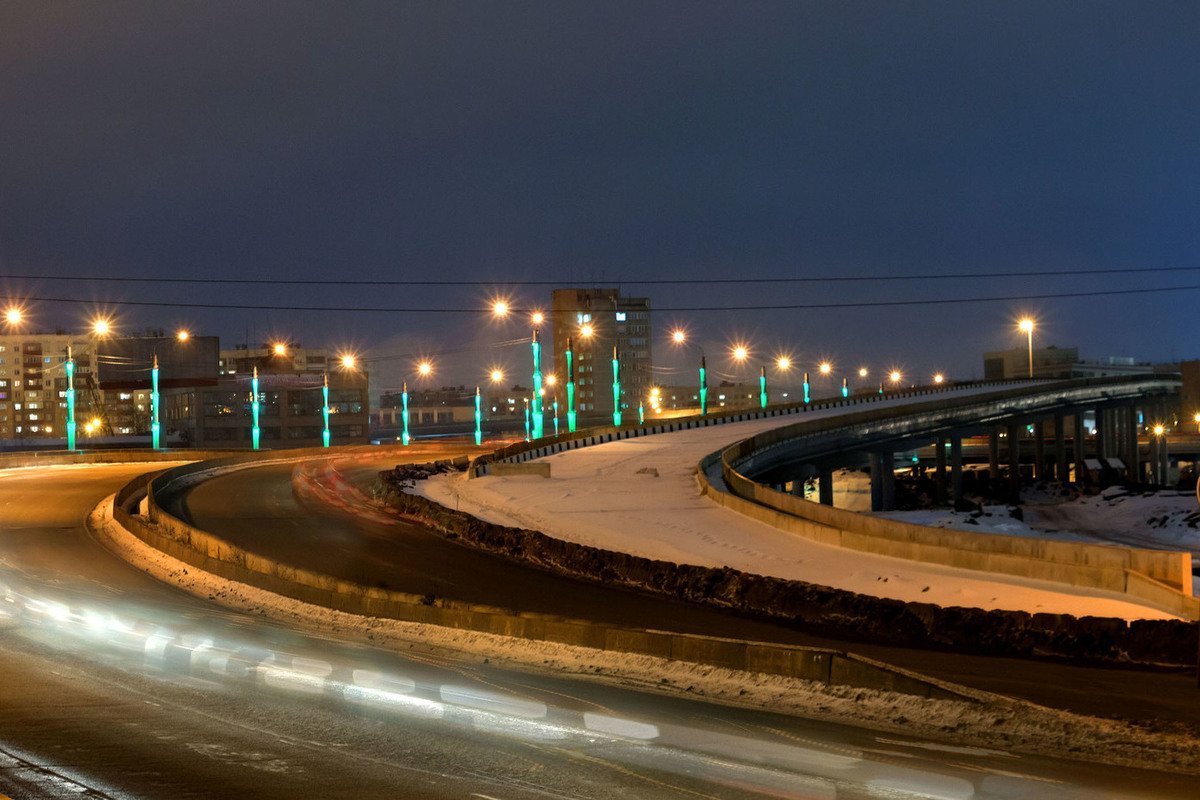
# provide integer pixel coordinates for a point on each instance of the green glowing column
(538, 416)
(703, 387)
(845, 388)
(404, 412)
(641, 413)
(616, 389)
(70, 400)
(478, 420)
(325, 408)
(526, 419)
(881, 387)
(254, 431)
(762, 387)
(556, 413)
(807, 396)
(154, 426)
(570, 389)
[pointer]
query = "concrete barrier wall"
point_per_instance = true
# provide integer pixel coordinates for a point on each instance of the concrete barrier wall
(207, 552)
(1163, 578)
(45, 458)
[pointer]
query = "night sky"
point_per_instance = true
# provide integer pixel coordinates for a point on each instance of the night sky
(603, 143)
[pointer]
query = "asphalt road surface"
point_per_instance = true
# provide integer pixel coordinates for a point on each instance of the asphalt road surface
(114, 685)
(257, 510)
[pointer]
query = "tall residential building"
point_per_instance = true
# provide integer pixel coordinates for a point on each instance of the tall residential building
(33, 383)
(615, 323)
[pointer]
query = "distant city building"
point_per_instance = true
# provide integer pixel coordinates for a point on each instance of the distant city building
(615, 322)
(1063, 362)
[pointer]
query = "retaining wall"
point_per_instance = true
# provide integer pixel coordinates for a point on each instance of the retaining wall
(207, 552)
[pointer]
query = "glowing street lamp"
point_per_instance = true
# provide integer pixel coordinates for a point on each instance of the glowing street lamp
(939, 379)
(1026, 326)
(1160, 476)
(679, 336)
(101, 327)
(14, 316)
(895, 376)
(825, 367)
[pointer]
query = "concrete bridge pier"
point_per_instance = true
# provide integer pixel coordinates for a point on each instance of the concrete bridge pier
(1131, 442)
(1060, 448)
(883, 481)
(1101, 433)
(825, 485)
(1014, 461)
(1077, 447)
(1039, 450)
(994, 453)
(956, 471)
(939, 458)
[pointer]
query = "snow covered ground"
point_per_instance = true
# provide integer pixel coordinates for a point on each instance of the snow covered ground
(639, 496)
(1165, 520)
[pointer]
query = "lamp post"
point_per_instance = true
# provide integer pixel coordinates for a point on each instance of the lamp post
(762, 387)
(538, 419)
(1026, 325)
(404, 439)
(325, 408)
(478, 420)
(570, 387)
(70, 400)
(679, 336)
(616, 389)
(154, 426)
(807, 392)
(1160, 468)
(255, 432)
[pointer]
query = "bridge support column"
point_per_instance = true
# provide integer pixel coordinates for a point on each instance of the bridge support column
(798, 486)
(888, 464)
(876, 460)
(1014, 462)
(1131, 442)
(1101, 433)
(994, 454)
(1039, 450)
(1077, 449)
(956, 474)
(939, 459)
(1060, 448)
(825, 485)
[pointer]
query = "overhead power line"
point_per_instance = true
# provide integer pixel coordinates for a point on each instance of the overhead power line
(1048, 273)
(712, 308)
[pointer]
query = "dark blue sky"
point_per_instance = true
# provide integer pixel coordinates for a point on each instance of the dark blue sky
(601, 143)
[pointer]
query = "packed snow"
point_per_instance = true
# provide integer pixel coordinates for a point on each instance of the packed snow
(640, 496)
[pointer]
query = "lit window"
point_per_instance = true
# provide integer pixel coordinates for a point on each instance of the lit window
(620, 316)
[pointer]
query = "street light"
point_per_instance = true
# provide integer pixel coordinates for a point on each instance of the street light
(155, 428)
(13, 315)
(1026, 325)
(679, 337)
(939, 378)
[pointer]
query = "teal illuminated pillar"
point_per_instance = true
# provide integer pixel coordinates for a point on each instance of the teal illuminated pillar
(881, 387)
(570, 389)
(538, 416)
(325, 408)
(641, 413)
(807, 396)
(845, 388)
(478, 420)
(404, 412)
(70, 400)
(254, 431)
(762, 387)
(616, 389)
(154, 427)
(556, 413)
(527, 419)
(703, 388)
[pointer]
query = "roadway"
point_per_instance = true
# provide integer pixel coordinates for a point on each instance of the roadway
(257, 509)
(119, 686)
